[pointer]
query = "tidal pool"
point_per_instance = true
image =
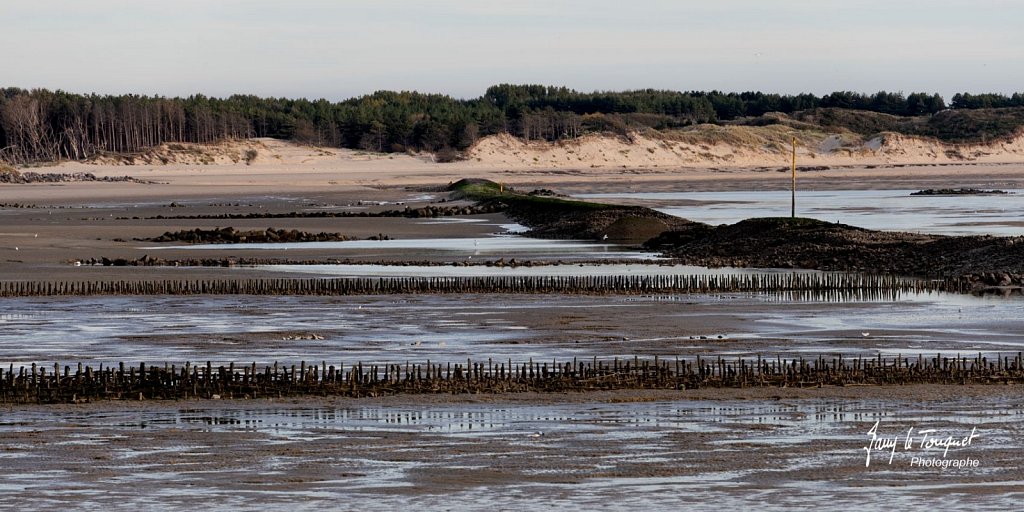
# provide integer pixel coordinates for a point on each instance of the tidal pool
(890, 210)
(497, 246)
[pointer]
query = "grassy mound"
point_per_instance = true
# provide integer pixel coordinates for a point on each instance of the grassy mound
(548, 216)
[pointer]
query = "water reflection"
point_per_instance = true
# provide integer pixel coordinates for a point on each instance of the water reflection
(561, 454)
(501, 246)
(688, 415)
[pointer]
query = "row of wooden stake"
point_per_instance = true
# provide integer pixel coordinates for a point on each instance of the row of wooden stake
(697, 283)
(56, 384)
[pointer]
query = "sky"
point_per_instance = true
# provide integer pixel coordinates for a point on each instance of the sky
(345, 48)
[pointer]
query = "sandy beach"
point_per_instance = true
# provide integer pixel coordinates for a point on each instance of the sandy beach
(49, 225)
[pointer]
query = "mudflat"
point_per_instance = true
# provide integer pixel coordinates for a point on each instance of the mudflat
(776, 448)
(48, 226)
(769, 447)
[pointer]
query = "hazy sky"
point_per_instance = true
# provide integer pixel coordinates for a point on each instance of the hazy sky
(344, 48)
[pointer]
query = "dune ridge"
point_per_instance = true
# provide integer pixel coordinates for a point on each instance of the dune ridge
(736, 146)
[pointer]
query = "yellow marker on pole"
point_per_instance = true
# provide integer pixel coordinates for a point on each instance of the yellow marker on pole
(793, 211)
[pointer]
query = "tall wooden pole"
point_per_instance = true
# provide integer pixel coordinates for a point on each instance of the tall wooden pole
(793, 210)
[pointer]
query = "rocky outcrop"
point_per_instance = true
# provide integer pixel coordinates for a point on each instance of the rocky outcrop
(429, 211)
(578, 220)
(51, 177)
(958, 192)
(813, 244)
(229, 235)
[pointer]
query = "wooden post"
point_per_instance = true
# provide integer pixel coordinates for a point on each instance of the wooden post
(793, 210)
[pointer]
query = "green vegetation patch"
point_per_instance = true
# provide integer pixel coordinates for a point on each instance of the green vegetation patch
(477, 189)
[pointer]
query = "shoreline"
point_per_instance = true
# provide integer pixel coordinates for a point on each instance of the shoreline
(231, 181)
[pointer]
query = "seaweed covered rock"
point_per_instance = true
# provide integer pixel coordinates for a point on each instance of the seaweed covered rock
(229, 235)
(814, 244)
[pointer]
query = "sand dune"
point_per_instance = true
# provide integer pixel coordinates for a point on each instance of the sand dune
(719, 154)
(739, 146)
(703, 147)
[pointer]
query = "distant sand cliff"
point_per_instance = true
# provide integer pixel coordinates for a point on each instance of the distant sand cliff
(702, 146)
(736, 146)
(701, 154)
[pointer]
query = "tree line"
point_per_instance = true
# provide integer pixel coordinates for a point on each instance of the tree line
(976, 101)
(42, 125)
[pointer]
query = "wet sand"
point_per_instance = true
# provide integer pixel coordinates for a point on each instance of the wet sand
(773, 449)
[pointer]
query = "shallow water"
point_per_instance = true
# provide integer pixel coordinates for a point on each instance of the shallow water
(373, 329)
(775, 453)
(891, 210)
(497, 246)
(580, 269)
